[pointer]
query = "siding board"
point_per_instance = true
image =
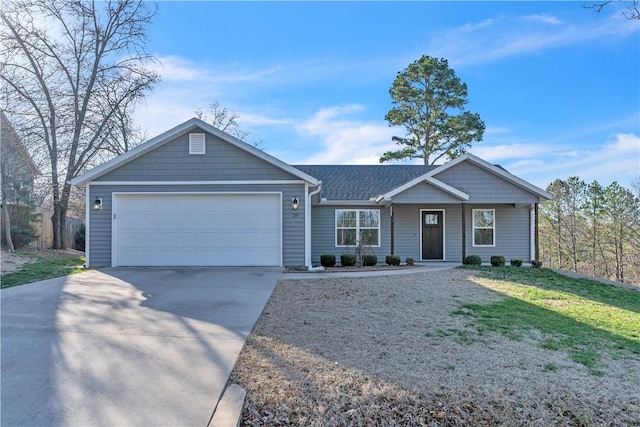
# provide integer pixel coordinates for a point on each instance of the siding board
(292, 222)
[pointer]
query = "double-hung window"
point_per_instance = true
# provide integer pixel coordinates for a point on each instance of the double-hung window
(484, 227)
(357, 226)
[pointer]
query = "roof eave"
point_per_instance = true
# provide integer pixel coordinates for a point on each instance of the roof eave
(167, 136)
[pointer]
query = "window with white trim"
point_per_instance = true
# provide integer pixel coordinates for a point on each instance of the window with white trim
(354, 226)
(197, 144)
(484, 227)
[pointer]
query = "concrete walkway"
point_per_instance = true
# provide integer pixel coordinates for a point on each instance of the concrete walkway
(420, 268)
(126, 347)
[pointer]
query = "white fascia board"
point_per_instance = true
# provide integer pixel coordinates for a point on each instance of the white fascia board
(176, 131)
(478, 162)
(154, 183)
(447, 188)
(325, 202)
(496, 171)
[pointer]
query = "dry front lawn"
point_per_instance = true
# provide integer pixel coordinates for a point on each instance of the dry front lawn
(422, 349)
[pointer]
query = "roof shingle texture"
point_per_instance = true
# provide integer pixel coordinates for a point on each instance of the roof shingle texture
(362, 182)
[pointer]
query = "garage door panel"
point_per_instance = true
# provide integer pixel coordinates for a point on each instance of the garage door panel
(198, 229)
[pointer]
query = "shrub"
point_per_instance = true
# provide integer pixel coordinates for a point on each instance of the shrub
(369, 260)
(516, 262)
(327, 260)
(347, 260)
(536, 264)
(392, 260)
(497, 260)
(472, 260)
(409, 261)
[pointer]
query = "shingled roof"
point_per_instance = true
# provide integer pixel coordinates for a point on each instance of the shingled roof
(362, 182)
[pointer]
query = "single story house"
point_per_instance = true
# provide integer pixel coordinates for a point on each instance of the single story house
(196, 196)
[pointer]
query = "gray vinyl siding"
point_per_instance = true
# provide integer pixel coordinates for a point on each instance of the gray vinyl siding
(483, 186)
(292, 222)
(172, 162)
(425, 192)
(408, 224)
(323, 233)
(512, 231)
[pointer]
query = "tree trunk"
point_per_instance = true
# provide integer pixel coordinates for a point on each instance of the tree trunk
(7, 227)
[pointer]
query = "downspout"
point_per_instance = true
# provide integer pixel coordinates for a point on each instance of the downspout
(464, 231)
(307, 226)
(537, 230)
(393, 234)
(87, 226)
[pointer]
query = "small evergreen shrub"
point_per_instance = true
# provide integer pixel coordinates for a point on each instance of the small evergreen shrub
(497, 260)
(347, 260)
(472, 260)
(369, 260)
(328, 260)
(516, 262)
(409, 261)
(536, 264)
(392, 260)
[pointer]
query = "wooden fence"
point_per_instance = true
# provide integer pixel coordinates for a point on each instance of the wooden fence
(44, 231)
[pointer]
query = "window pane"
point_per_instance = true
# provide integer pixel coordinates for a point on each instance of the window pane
(346, 237)
(369, 218)
(483, 236)
(431, 219)
(346, 218)
(483, 218)
(369, 237)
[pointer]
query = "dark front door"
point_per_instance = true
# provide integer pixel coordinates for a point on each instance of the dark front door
(432, 235)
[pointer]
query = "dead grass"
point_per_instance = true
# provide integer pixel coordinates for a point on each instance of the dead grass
(398, 350)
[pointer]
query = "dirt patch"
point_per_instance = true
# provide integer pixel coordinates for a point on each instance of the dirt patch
(13, 261)
(399, 350)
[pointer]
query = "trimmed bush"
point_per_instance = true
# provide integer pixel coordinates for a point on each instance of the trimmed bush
(409, 261)
(347, 260)
(516, 262)
(497, 260)
(369, 260)
(327, 260)
(472, 260)
(392, 260)
(536, 264)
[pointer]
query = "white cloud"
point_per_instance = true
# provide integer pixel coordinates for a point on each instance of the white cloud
(617, 159)
(345, 140)
(545, 18)
(492, 40)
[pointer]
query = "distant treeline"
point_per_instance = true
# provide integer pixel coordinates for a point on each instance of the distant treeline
(592, 229)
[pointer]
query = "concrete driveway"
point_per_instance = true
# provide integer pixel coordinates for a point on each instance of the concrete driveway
(126, 347)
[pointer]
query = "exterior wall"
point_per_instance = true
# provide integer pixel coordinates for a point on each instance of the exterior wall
(483, 186)
(99, 235)
(408, 223)
(172, 162)
(512, 231)
(425, 191)
(323, 232)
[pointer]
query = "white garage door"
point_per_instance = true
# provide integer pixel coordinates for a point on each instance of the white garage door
(197, 230)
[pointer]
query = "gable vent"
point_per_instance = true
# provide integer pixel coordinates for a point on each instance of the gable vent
(197, 143)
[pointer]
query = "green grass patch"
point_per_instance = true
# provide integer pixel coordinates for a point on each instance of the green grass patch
(43, 268)
(582, 316)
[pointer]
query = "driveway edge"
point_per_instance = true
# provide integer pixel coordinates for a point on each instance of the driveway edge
(229, 409)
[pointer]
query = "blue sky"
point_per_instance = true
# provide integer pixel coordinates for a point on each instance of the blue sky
(557, 85)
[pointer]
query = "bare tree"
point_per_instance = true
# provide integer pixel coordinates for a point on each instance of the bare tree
(225, 120)
(632, 12)
(68, 67)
